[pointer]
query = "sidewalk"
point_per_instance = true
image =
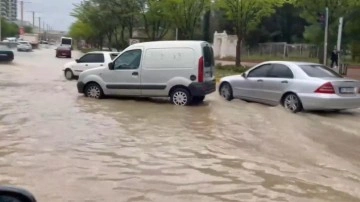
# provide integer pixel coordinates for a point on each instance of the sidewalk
(351, 73)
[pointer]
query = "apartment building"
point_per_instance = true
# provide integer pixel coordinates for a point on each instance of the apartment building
(8, 9)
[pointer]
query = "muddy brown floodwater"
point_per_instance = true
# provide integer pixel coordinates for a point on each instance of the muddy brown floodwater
(64, 147)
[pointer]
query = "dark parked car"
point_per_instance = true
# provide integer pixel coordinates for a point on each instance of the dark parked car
(63, 51)
(6, 54)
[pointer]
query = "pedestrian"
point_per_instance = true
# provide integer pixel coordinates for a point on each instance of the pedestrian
(334, 58)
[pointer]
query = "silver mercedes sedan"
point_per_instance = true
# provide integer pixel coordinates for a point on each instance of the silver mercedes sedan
(295, 85)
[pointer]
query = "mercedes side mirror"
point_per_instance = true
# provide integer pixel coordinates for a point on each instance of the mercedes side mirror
(244, 75)
(13, 194)
(111, 66)
(77, 60)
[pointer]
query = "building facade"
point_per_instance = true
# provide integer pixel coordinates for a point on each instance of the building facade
(8, 9)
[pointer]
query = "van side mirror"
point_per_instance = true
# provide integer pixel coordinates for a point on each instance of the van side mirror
(77, 60)
(111, 66)
(244, 75)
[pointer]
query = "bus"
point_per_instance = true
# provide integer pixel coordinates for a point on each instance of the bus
(67, 41)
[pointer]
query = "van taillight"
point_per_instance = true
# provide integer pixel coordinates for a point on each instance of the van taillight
(201, 70)
(327, 88)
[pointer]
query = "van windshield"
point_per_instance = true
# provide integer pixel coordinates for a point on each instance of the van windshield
(208, 56)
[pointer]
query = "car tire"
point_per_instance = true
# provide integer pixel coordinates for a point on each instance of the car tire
(93, 90)
(292, 103)
(181, 97)
(198, 99)
(226, 91)
(69, 75)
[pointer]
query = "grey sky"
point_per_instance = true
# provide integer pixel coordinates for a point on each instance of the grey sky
(55, 13)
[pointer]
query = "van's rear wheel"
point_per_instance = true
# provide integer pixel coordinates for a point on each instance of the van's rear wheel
(181, 97)
(93, 90)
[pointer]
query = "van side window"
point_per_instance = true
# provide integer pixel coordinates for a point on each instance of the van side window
(128, 60)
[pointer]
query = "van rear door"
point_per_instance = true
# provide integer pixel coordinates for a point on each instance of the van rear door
(209, 62)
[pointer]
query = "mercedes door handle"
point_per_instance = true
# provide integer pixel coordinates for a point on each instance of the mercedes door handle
(86, 65)
(260, 80)
(135, 73)
(101, 65)
(284, 82)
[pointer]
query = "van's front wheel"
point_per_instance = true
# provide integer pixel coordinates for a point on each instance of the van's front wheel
(93, 90)
(180, 97)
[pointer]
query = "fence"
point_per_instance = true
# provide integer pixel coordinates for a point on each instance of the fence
(285, 50)
(225, 47)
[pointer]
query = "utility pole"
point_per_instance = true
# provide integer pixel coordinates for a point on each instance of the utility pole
(40, 26)
(176, 33)
(326, 34)
(22, 12)
(0, 26)
(338, 46)
(33, 13)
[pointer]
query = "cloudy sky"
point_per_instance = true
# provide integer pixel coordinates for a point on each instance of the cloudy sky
(55, 13)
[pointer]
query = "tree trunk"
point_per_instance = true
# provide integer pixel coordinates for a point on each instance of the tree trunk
(238, 52)
(206, 26)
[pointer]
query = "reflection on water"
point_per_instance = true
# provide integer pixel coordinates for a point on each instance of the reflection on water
(64, 147)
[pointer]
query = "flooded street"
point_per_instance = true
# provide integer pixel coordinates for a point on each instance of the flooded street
(62, 146)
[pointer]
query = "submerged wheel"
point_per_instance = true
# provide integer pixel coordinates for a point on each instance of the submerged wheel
(292, 103)
(226, 91)
(69, 74)
(93, 90)
(181, 97)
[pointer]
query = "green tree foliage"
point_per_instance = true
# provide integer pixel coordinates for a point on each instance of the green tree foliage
(247, 15)
(8, 29)
(185, 15)
(113, 22)
(155, 18)
(28, 29)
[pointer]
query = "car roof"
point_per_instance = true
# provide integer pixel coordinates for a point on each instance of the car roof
(291, 62)
(178, 43)
(110, 52)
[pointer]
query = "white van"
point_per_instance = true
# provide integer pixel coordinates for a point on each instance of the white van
(66, 41)
(181, 70)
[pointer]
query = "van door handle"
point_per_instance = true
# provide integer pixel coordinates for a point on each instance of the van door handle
(284, 81)
(260, 80)
(86, 64)
(135, 73)
(101, 65)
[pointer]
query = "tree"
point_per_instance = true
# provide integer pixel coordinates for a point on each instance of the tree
(155, 18)
(185, 14)
(81, 30)
(246, 15)
(28, 29)
(314, 33)
(8, 29)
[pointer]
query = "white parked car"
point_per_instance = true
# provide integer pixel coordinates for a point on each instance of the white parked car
(181, 70)
(88, 61)
(24, 46)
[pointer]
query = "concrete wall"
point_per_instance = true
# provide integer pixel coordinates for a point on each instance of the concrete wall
(224, 45)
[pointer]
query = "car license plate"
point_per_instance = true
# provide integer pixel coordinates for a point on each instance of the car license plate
(347, 90)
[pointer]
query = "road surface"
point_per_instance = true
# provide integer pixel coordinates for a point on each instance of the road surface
(64, 147)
